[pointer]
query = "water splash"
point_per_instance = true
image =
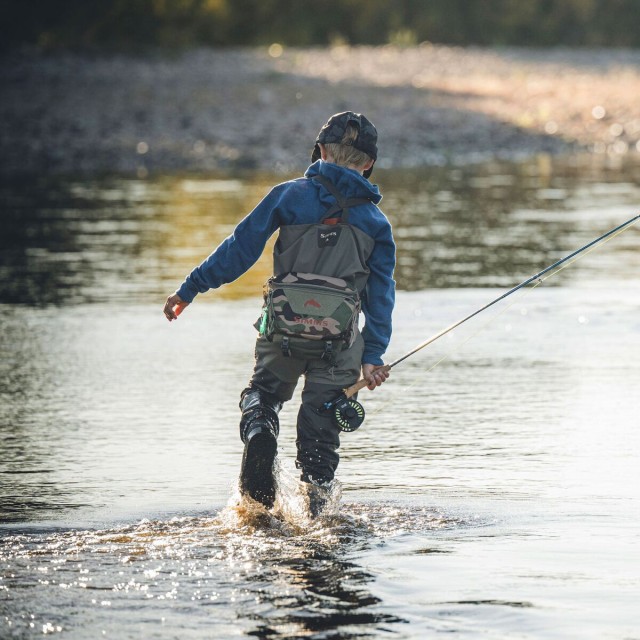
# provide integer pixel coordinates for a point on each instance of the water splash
(292, 513)
(276, 574)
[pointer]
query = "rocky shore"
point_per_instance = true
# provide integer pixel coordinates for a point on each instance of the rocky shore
(207, 110)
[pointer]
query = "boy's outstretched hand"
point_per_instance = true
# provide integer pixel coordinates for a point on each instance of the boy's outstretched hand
(375, 375)
(174, 306)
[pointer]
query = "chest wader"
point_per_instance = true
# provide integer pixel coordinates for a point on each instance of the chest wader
(308, 323)
(312, 303)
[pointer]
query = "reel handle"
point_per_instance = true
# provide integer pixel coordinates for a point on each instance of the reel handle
(362, 383)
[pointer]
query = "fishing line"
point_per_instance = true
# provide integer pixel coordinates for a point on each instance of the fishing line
(461, 344)
(525, 292)
(349, 413)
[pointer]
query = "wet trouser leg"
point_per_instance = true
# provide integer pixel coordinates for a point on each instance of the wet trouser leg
(275, 376)
(259, 413)
(318, 436)
(259, 426)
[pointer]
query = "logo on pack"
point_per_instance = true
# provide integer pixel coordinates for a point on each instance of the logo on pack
(328, 238)
(313, 303)
(312, 322)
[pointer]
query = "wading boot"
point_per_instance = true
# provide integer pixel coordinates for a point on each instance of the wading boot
(256, 476)
(317, 495)
(259, 431)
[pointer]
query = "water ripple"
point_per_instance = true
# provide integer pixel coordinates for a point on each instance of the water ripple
(277, 575)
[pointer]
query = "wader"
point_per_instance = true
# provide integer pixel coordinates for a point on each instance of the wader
(334, 249)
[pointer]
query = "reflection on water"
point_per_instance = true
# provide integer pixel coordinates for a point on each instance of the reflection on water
(114, 239)
(492, 492)
(496, 224)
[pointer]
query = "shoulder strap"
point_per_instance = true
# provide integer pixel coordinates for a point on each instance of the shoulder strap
(342, 203)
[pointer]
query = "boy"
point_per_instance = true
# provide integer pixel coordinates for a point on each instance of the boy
(335, 254)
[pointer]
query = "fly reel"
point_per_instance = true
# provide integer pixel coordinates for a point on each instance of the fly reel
(348, 414)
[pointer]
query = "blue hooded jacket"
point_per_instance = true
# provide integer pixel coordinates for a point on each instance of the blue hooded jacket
(302, 201)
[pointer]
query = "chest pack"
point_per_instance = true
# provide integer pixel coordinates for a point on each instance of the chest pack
(313, 312)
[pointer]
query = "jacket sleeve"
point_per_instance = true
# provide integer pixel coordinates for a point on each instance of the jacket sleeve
(379, 298)
(239, 252)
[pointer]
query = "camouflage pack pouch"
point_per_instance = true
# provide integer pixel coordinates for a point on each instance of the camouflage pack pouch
(310, 310)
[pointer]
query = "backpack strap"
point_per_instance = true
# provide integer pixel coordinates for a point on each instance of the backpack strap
(342, 203)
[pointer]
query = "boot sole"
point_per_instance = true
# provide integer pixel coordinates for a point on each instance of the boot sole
(256, 476)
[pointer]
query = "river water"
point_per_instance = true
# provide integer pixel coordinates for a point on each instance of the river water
(493, 490)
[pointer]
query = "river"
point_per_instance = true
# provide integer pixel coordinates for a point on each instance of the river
(493, 490)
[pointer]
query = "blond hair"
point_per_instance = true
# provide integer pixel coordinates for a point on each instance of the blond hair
(344, 153)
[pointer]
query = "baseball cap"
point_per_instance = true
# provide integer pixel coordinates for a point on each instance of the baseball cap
(333, 132)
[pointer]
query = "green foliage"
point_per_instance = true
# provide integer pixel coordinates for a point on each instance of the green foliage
(177, 23)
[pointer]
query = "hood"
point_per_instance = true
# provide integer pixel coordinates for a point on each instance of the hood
(349, 182)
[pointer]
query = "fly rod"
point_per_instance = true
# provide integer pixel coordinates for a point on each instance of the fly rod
(349, 414)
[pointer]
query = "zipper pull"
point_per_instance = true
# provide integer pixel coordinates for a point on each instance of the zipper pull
(263, 322)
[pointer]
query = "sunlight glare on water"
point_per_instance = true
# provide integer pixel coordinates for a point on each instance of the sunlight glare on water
(186, 569)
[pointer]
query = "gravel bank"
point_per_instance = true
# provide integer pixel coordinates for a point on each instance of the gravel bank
(208, 109)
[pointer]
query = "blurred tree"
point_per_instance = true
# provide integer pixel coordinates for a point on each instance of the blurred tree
(136, 23)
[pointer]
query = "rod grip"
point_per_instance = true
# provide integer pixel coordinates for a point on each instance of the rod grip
(362, 383)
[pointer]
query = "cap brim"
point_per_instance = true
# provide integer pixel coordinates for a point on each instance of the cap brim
(315, 155)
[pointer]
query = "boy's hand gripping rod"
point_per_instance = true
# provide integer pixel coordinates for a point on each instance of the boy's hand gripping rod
(349, 413)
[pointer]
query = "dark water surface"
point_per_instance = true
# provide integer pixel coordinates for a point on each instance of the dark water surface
(493, 491)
